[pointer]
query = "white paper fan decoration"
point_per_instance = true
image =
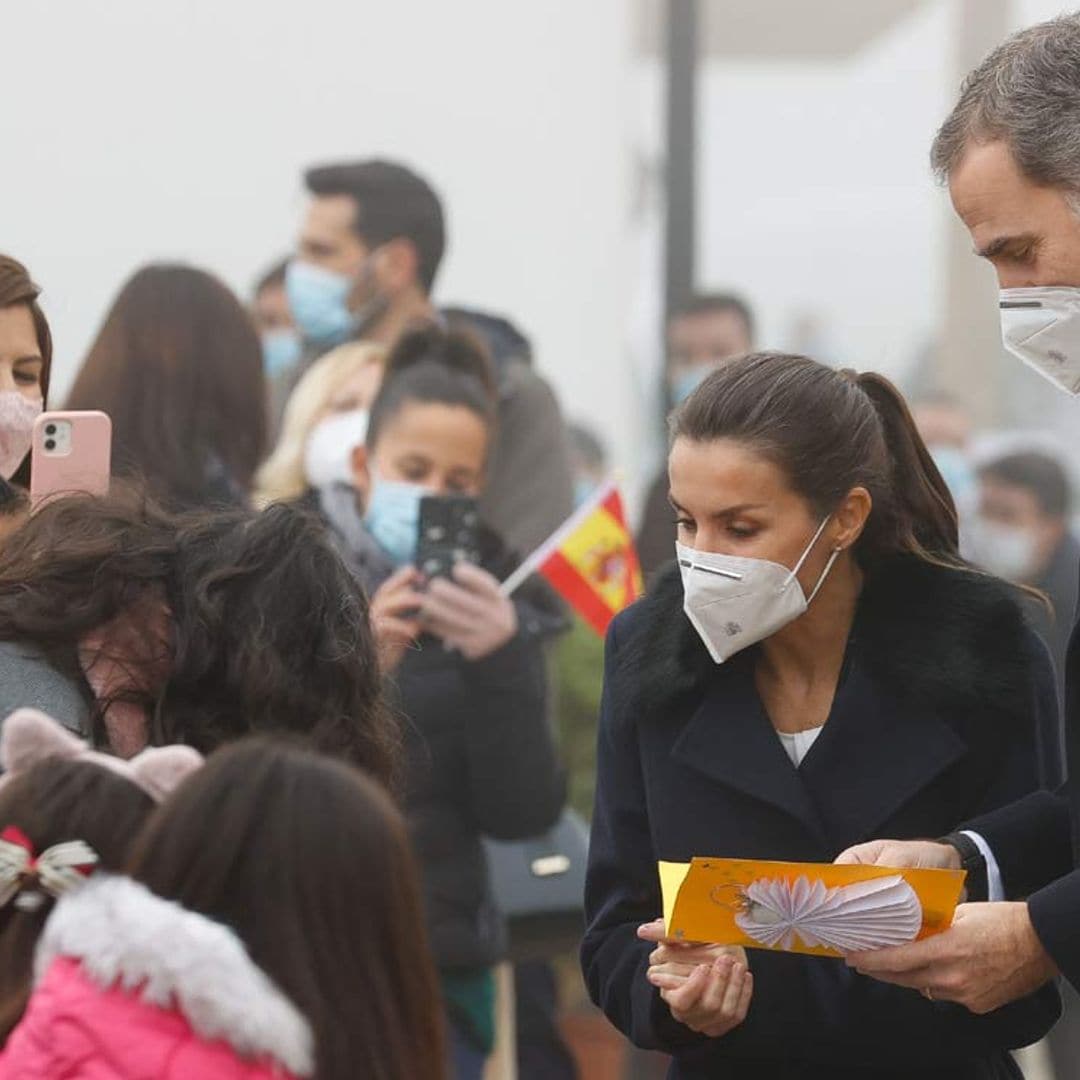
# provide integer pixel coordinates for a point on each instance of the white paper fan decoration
(848, 918)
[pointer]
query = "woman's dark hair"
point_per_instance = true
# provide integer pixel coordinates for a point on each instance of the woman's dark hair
(310, 864)
(430, 365)
(830, 431)
(13, 500)
(16, 287)
(269, 630)
(177, 365)
(53, 802)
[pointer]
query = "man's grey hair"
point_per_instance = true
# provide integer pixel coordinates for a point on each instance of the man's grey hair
(1026, 93)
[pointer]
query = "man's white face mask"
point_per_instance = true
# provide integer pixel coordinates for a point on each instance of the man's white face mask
(1041, 326)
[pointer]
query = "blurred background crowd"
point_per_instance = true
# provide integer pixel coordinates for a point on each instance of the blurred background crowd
(236, 214)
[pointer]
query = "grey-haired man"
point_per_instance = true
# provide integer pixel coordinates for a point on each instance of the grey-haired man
(1010, 153)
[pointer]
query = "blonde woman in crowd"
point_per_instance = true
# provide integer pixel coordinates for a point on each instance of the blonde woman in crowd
(325, 420)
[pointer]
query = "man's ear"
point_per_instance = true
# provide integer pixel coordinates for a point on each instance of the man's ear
(397, 265)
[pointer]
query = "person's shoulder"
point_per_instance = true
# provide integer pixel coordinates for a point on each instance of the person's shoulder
(660, 607)
(953, 638)
(918, 596)
(655, 657)
(630, 622)
(25, 664)
(521, 385)
(28, 679)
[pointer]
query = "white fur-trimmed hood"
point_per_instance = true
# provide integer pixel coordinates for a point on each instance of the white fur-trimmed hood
(122, 934)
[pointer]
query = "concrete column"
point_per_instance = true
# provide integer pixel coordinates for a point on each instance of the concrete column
(681, 169)
(970, 361)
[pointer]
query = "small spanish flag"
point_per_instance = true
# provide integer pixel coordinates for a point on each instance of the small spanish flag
(591, 560)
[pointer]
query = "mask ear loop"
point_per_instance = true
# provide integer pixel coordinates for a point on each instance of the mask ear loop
(824, 574)
(806, 554)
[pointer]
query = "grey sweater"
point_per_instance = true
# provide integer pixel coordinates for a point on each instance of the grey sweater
(28, 680)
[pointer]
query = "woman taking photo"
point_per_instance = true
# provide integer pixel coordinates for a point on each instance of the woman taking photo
(820, 667)
(25, 362)
(467, 663)
(177, 365)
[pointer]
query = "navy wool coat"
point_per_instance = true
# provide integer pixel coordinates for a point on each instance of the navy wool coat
(946, 708)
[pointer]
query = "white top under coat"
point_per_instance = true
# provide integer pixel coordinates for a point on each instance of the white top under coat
(798, 744)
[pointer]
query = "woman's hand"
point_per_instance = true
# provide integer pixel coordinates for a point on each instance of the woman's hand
(707, 987)
(394, 615)
(469, 613)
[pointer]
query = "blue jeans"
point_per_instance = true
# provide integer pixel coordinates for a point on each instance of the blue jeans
(466, 1060)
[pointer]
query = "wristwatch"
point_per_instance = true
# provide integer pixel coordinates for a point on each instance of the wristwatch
(971, 860)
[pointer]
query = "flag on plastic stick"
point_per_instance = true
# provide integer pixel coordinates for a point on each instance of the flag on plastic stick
(590, 561)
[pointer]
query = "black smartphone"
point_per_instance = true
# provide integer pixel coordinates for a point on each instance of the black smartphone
(449, 533)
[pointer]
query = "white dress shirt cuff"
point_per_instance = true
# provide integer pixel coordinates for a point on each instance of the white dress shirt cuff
(995, 890)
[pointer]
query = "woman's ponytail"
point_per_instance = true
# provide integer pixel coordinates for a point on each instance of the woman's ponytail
(920, 503)
(434, 365)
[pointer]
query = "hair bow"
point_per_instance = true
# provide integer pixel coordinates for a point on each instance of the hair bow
(57, 869)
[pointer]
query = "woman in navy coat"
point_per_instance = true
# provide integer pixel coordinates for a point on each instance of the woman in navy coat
(818, 668)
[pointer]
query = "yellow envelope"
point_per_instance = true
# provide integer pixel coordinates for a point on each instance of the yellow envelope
(819, 909)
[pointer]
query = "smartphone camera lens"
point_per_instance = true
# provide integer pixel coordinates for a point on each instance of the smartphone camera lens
(50, 444)
(50, 429)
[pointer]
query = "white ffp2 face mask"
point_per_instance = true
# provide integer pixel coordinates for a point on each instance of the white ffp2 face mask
(329, 450)
(1041, 326)
(735, 602)
(1009, 551)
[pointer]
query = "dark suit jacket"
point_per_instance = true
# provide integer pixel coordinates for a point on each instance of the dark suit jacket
(944, 702)
(1059, 582)
(1037, 843)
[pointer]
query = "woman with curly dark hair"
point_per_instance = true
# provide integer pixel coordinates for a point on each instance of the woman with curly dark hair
(135, 626)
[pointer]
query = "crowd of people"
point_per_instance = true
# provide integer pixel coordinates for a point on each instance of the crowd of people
(253, 745)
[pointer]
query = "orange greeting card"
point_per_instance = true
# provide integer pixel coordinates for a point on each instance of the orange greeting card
(816, 908)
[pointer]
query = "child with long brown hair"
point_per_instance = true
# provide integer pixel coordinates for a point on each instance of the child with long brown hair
(272, 928)
(177, 365)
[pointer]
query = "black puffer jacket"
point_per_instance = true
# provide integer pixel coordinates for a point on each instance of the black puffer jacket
(481, 754)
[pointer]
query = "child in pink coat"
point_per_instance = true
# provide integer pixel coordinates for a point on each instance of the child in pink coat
(134, 987)
(272, 928)
(66, 812)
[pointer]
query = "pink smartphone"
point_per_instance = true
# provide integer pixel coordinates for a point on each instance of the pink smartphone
(71, 453)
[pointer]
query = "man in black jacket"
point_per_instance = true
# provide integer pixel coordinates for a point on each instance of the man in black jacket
(1010, 152)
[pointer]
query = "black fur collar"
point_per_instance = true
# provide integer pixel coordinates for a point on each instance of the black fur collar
(940, 638)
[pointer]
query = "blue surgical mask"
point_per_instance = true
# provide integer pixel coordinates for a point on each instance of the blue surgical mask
(393, 517)
(319, 302)
(957, 472)
(687, 381)
(281, 352)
